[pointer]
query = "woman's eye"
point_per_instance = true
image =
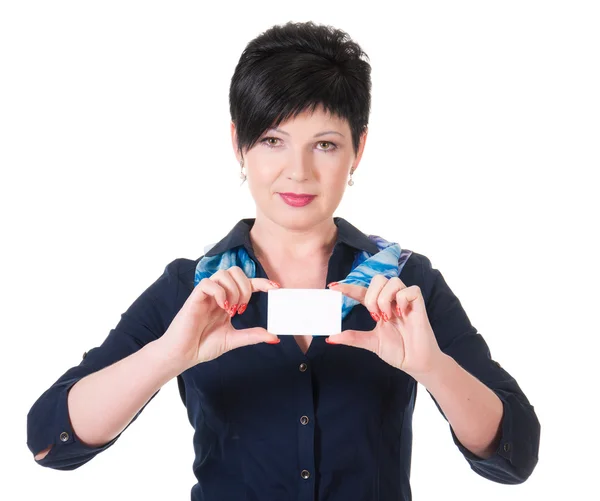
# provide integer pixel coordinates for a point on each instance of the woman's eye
(267, 139)
(330, 145)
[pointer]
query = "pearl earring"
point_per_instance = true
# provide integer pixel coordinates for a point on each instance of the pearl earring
(350, 182)
(242, 175)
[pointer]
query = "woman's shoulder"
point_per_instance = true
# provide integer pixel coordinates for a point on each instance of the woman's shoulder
(418, 270)
(417, 260)
(414, 263)
(183, 271)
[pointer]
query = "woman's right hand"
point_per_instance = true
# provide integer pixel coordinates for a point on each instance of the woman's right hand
(202, 330)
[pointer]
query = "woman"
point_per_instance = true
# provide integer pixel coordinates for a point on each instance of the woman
(296, 417)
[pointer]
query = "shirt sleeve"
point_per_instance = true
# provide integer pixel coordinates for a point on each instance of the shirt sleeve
(517, 454)
(48, 422)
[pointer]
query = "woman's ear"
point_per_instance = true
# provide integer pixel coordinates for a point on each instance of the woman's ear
(361, 148)
(234, 142)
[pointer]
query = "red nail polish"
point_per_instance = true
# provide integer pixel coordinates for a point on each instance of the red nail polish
(274, 283)
(384, 315)
(332, 284)
(375, 316)
(242, 308)
(273, 342)
(226, 304)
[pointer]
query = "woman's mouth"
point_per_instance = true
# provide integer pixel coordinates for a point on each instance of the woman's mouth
(297, 200)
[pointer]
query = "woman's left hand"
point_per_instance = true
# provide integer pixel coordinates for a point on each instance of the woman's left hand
(403, 336)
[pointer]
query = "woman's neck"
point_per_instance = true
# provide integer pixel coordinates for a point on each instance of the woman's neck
(278, 243)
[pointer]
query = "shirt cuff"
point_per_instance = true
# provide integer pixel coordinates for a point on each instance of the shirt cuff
(49, 424)
(517, 454)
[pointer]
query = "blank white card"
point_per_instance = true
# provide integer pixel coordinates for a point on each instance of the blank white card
(315, 312)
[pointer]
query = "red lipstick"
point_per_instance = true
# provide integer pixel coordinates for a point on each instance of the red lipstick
(297, 199)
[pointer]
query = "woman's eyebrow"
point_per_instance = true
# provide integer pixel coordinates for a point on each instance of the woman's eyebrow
(316, 135)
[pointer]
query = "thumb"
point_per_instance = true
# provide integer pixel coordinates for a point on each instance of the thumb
(252, 335)
(360, 339)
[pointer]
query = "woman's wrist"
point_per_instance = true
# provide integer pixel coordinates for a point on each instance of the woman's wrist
(169, 364)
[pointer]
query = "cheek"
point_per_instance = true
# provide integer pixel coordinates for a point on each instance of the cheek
(335, 166)
(261, 181)
(334, 175)
(265, 167)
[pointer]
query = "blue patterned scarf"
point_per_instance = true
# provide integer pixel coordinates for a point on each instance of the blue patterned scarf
(389, 262)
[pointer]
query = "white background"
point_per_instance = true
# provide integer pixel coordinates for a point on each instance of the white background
(482, 154)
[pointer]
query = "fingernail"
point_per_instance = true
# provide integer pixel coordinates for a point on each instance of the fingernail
(384, 315)
(242, 308)
(398, 311)
(274, 283)
(375, 316)
(332, 284)
(233, 310)
(226, 304)
(328, 341)
(276, 341)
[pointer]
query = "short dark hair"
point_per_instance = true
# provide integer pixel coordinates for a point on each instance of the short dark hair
(295, 67)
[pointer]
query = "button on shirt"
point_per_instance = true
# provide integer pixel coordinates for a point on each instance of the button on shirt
(334, 424)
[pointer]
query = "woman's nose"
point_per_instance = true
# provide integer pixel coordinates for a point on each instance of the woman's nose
(299, 167)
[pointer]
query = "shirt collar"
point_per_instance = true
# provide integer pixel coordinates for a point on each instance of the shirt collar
(240, 235)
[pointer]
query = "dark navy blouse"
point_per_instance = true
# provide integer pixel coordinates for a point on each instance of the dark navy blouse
(272, 423)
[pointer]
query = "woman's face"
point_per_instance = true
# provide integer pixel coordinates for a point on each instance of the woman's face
(310, 154)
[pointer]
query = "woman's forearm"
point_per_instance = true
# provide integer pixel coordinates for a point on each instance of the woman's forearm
(473, 410)
(103, 403)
